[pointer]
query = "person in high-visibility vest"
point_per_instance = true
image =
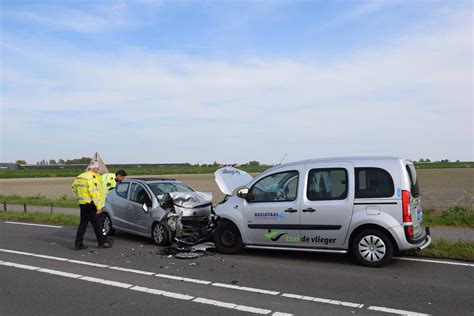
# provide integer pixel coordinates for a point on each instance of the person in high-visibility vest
(88, 188)
(109, 182)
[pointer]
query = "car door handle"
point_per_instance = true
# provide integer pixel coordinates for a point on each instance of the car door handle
(291, 210)
(309, 210)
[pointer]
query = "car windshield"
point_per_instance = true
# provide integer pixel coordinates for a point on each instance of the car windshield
(161, 188)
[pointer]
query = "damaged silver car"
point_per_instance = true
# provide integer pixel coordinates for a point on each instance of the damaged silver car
(164, 209)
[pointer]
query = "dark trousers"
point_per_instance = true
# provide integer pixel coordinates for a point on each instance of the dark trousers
(88, 214)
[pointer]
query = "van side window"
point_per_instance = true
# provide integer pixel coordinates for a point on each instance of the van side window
(373, 183)
(327, 184)
(122, 189)
(278, 187)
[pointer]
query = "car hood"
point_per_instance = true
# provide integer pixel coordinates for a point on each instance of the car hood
(230, 178)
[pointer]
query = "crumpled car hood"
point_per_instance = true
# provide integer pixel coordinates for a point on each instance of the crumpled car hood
(230, 178)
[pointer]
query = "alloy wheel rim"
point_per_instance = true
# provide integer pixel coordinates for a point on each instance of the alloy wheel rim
(158, 233)
(372, 248)
(107, 225)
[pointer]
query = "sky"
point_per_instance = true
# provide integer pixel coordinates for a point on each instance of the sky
(234, 81)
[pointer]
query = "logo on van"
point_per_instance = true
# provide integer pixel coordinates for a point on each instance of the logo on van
(269, 215)
(232, 172)
(275, 236)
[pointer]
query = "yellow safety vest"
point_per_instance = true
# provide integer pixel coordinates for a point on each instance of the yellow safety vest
(88, 188)
(108, 184)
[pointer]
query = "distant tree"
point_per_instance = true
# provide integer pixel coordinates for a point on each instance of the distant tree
(215, 163)
(61, 161)
(82, 160)
(457, 160)
(427, 160)
(21, 162)
(422, 160)
(254, 163)
(52, 162)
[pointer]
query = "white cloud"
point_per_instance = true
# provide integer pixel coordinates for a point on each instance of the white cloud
(412, 97)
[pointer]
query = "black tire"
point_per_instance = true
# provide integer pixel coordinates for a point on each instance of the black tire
(161, 234)
(227, 238)
(372, 248)
(109, 228)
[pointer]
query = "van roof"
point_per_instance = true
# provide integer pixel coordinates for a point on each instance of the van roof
(349, 158)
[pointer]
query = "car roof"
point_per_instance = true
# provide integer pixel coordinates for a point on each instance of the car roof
(152, 179)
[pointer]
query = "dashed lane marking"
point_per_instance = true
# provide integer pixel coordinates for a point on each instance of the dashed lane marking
(463, 264)
(179, 296)
(30, 224)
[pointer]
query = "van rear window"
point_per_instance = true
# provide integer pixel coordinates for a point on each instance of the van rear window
(373, 183)
(414, 186)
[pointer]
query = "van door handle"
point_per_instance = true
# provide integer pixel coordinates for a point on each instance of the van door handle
(291, 210)
(310, 210)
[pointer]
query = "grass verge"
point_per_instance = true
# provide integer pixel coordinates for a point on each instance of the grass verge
(448, 249)
(39, 200)
(38, 217)
(454, 216)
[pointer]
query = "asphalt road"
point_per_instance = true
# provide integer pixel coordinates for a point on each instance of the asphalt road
(40, 274)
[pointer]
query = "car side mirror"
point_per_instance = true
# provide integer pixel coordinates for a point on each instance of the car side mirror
(243, 193)
(145, 208)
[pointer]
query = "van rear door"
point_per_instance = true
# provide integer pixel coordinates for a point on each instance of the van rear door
(414, 205)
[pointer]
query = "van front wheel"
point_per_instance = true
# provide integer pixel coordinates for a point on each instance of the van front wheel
(227, 238)
(372, 248)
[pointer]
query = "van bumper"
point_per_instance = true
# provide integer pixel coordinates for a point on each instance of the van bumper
(427, 240)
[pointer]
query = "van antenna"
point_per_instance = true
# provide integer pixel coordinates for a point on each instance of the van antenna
(282, 159)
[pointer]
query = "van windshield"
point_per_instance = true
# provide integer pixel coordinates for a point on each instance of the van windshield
(414, 186)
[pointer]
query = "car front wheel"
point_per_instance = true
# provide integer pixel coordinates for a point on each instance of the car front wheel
(161, 234)
(227, 238)
(372, 248)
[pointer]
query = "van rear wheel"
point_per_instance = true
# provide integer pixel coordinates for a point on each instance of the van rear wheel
(372, 248)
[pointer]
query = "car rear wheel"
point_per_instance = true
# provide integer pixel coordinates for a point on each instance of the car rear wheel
(161, 234)
(227, 238)
(372, 248)
(108, 228)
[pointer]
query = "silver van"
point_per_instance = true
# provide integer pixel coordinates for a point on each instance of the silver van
(369, 206)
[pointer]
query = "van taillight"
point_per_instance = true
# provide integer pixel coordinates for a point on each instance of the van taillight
(406, 206)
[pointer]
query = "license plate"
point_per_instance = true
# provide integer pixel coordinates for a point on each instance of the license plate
(419, 215)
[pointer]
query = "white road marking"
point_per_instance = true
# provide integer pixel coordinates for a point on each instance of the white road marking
(177, 278)
(87, 263)
(281, 314)
(229, 286)
(30, 224)
(106, 282)
(436, 261)
(179, 296)
(244, 288)
(322, 300)
(242, 308)
(395, 311)
(64, 274)
(17, 265)
(132, 270)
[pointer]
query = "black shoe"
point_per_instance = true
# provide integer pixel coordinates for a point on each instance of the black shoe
(80, 247)
(105, 245)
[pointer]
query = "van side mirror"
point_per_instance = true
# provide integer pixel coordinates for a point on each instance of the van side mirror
(243, 193)
(145, 208)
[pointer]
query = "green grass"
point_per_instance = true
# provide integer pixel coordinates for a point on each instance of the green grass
(443, 165)
(454, 216)
(39, 200)
(442, 248)
(51, 173)
(43, 218)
